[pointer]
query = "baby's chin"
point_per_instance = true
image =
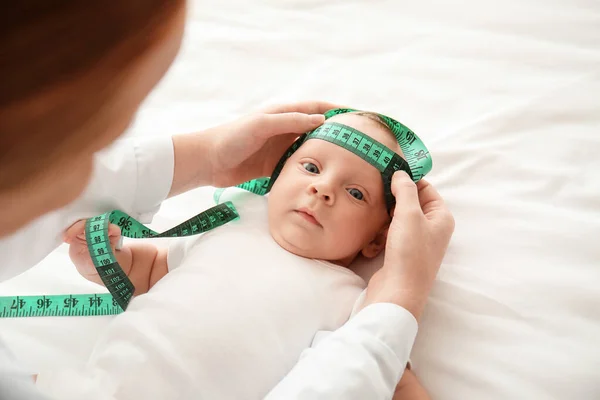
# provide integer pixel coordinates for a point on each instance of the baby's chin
(291, 244)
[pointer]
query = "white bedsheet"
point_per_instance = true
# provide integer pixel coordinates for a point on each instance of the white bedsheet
(507, 98)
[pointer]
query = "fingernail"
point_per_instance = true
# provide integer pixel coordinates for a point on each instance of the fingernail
(405, 177)
(317, 118)
(401, 174)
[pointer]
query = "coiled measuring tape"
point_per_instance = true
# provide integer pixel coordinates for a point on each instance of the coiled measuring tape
(120, 288)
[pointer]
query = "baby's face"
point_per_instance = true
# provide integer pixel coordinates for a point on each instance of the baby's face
(328, 203)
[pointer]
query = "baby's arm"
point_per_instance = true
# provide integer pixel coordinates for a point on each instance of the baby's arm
(143, 263)
(409, 388)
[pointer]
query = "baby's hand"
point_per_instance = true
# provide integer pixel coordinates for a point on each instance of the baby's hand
(78, 250)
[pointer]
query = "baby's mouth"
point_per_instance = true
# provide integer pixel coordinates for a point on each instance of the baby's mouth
(308, 216)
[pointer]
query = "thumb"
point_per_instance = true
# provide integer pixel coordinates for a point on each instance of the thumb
(114, 236)
(292, 122)
(74, 232)
(406, 193)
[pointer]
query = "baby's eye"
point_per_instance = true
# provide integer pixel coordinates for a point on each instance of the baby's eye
(310, 167)
(357, 194)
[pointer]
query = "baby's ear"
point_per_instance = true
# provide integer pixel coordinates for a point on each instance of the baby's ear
(377, 245)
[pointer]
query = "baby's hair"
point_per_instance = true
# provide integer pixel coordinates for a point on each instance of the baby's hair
(374, 117)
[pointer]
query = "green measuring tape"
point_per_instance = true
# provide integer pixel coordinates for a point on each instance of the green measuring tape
(120, 288)
(416, 165)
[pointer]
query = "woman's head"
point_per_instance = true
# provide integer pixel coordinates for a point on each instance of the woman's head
(73, 75)
(343, 193)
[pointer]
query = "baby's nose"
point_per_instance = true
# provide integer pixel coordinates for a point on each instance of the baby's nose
(323, 195)
(322, 192)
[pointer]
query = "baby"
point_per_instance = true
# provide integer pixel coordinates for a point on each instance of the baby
(249, 312)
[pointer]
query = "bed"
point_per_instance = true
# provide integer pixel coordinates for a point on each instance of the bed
(506, 95)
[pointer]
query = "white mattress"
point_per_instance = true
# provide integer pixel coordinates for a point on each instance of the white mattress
(507, 98)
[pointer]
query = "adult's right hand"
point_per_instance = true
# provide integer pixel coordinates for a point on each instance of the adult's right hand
(416, 243)
(248, 148)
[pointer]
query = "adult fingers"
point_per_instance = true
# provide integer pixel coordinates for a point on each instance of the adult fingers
(434, 206)
(74, 231)
(306, 107)
(429, 198)
(292, 122)
(406, 194)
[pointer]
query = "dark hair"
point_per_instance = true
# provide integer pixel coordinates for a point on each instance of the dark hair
(60, 65)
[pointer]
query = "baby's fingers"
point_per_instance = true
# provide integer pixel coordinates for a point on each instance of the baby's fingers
(74, 232)
(114, 235)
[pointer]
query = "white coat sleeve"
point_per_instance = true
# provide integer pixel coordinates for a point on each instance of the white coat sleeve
(133, 175)
(364, 359)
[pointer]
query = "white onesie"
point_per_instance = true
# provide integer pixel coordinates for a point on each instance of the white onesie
(228, 321)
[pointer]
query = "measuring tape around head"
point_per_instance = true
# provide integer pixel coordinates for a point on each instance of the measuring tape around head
(120, 288)
(417, 163)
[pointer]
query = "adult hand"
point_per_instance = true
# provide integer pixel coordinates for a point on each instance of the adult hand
(416, 243)
(245, 149)
(251, 147)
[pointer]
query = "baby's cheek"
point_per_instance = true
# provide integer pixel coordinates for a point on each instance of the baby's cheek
(344, 238)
